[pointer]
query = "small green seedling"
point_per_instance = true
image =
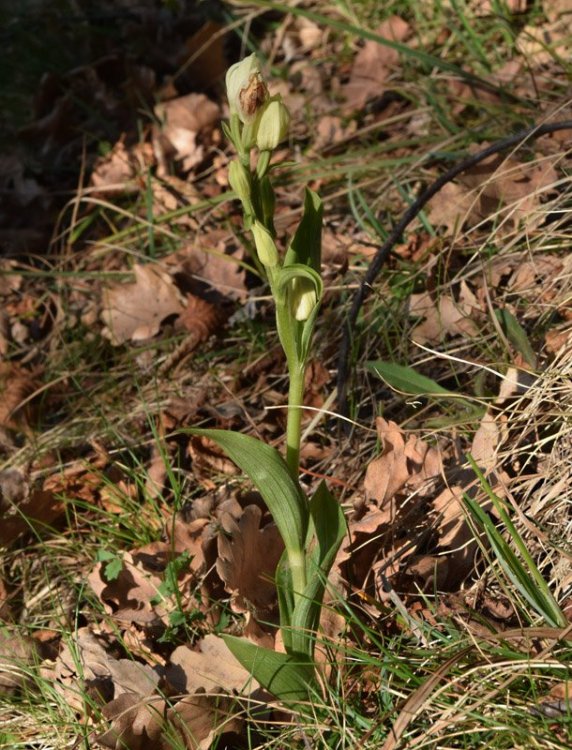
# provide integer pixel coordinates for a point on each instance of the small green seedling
(312, 529)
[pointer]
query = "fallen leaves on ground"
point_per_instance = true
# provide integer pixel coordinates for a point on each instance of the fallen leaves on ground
(18, 655)
(129, 596)
(247, 559)
(445, 316)
(374, 64)
(25, 508)
(499, 187)
(413, 501)
(17, 384)
(135, 311)
(212, 262)
(183, 122)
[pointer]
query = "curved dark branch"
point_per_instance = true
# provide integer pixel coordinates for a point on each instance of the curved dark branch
(396, 233)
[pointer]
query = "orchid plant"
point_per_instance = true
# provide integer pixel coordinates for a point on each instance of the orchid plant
(312, 528)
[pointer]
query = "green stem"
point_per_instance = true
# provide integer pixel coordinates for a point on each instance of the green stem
(294, 423)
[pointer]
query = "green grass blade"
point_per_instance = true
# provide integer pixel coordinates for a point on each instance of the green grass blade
(525, 577)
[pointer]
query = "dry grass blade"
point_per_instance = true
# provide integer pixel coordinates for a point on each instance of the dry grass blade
(417, 700)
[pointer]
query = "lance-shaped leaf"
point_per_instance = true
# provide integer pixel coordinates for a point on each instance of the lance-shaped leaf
(290, 677)
(282, 494)
(306, 245)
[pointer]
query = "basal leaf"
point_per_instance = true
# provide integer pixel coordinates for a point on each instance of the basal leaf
(290, 677)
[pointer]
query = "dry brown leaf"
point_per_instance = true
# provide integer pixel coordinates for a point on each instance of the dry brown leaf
(306, 77)
(540, 45)
(6, 614)
(156, 471)
(502, 187)
(447, 317)
(16, 386)
(483, 8)
(430, 572)
(10, 279)
(454, 532)
(213, 263)
(507, 181)
(374, 63)
(135, 311)
(367, 542)
(379, 537)
(88, 666)
(199, 718)
(205, 61)
(248, 555)
(330, 131)
(200, 318)
(136, 723)
(401, 465)
(185, 121)
(210, 666)
(115, 171)
(128, 597)
(556, 340)
(189, 536)
(24, 509)
(452, 207)
(310, 34)
(17, 654)
(208, 457)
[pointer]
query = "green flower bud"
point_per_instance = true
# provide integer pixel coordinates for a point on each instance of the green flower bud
(240, 182)
(302, 298)
(245, 89)
(273, 125)
(265, 245)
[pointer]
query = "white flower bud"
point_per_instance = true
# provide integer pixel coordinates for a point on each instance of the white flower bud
(302, 298)
(245, 89)
(265, 245)
(273, 125)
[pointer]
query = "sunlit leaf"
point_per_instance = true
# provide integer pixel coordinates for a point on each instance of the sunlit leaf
(268, 471)
(290, 677)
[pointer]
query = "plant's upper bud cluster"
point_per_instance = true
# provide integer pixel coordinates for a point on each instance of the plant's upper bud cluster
(273, 125)
(267, 118)
(245, 88)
